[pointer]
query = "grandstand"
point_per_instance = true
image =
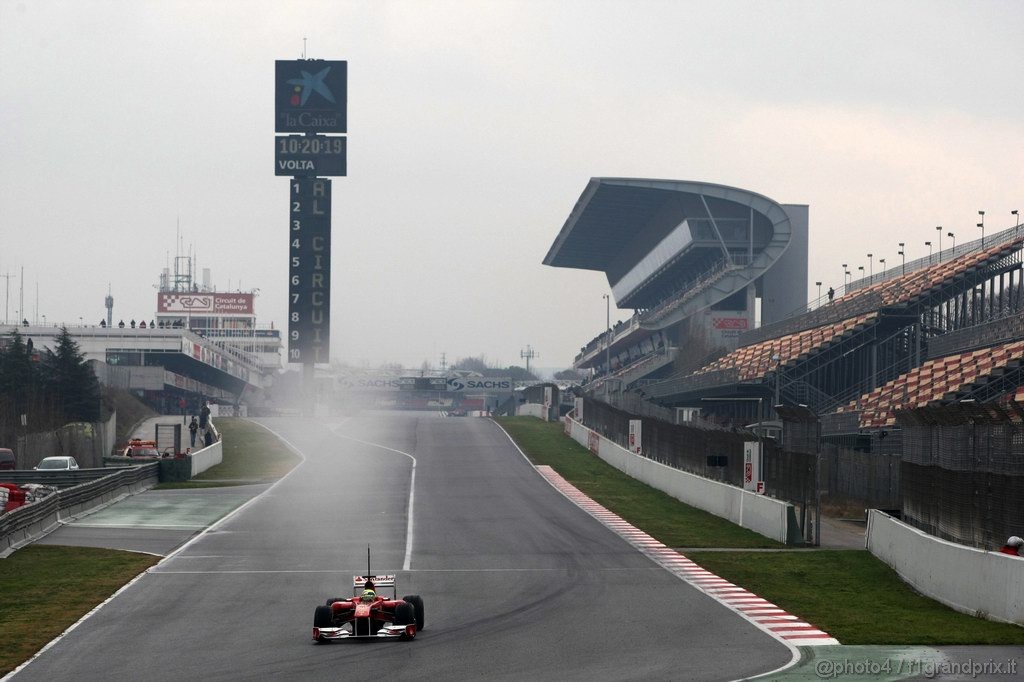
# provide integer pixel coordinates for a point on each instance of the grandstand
(869, 350)
(932, 331)
(697, 262)
(902, 390)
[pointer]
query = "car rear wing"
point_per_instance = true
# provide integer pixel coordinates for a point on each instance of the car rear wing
(377, 580)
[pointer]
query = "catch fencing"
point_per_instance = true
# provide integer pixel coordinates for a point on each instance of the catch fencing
(852, 480)
(680, 446)
(87, 442)
(849, 479)
(963, 471)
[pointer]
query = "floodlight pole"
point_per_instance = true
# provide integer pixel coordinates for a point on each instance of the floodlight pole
(528, 355)
(817, 486)
(607, 346)
(6, 309)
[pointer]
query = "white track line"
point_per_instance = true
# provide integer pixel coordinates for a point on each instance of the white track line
(412, 494)
(352, 571)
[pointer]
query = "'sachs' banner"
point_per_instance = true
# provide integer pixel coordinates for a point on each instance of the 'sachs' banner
(503, 385)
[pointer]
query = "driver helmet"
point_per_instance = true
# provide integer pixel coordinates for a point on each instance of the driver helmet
(369, 595)
(1014, 541)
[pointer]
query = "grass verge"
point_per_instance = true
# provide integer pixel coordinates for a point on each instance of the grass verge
(848, 593)
(854, 597)
(660, 515)
(45, 589)
(251, 454)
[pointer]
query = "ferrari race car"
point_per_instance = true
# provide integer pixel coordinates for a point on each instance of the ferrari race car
(368, 615)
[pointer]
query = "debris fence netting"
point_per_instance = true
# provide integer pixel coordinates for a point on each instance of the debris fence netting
(963, 471)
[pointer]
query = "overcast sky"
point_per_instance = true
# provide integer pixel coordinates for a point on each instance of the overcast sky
(473, 128)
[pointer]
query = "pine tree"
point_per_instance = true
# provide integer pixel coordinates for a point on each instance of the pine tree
(70, 381)
(19, 377)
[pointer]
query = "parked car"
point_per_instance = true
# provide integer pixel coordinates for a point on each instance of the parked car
(57, 464)
(142, 449)
(7, 461)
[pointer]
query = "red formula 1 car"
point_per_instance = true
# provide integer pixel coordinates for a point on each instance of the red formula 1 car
(367, 614)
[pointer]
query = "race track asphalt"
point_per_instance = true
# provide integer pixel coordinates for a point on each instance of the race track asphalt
(518, 582)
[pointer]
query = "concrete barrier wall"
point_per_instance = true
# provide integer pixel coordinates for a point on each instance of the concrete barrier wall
(764, 515)
(207, 457)
(532, 410)
(973, 581)
(43, 517)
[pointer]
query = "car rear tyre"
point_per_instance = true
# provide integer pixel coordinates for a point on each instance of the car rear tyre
(323, 617)
(417, 604)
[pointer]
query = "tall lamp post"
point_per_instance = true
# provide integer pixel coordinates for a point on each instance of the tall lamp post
(953, 237)
(938, 229)
(982, 226)
(846, 277)
(871, 264)
(1015, 215)
(929, 245)
(846, 271)
(881, 262)
(607, 345)
(819, 292)
(903, 267)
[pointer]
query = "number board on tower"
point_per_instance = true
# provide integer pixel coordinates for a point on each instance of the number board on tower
(309, 271)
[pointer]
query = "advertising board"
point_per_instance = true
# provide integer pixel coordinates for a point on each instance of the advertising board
(310, 96)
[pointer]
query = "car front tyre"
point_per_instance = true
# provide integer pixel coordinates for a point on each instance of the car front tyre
(417, 604)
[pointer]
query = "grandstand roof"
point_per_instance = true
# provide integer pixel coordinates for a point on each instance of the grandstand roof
(656, 238)
(611, 211)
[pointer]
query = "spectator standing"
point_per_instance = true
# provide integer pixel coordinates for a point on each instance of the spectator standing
(204, 423)
(193, 428)
(211, 435)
